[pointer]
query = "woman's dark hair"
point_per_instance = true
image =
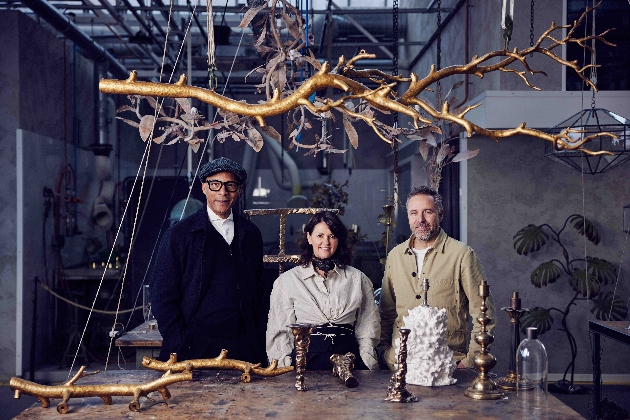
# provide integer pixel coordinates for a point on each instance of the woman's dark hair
(343, 254)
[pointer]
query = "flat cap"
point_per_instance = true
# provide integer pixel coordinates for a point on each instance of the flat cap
(223, 164)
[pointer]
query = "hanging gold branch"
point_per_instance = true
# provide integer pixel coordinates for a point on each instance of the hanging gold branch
(288, 95)
(219, 362)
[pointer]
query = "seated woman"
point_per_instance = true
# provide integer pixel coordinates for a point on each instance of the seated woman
(325, 291)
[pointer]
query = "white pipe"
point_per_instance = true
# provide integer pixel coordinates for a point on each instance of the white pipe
(275, 147)
(19, 260)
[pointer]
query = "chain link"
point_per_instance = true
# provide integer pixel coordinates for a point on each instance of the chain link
(531, 29)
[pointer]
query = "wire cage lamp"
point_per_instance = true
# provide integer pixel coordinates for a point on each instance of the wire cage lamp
(590, 121)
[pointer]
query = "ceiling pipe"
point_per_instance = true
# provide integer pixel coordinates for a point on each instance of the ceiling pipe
(61, 23)
(365, 32)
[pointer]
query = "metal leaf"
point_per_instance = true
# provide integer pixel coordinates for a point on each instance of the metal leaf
(529, 239)
(254, 139)
(146, 126)
(249, 15)
(291, 26)
(465, 155)
(546, 273)
(424, 150)
(585, 228)
(583, 283)
(185, 104)
(537, 317)
(271, 132)
(352, 133)
(602, 270)
(609, 307)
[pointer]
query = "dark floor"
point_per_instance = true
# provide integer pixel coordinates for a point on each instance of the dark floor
(620, 394)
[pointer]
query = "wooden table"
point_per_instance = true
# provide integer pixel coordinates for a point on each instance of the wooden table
(147, 341)
(617, 330)
(220, 394)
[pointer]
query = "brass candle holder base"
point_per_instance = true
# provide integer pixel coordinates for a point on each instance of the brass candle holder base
(397, 390)
(483, 389)
(509, 383)
(302, 334)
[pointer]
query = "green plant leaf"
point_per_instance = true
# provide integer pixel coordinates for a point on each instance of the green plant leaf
(529, 239)
(585, 284)
(545, 273)
(602, 270)
(585, 228)
(609, 307)
(537, 317)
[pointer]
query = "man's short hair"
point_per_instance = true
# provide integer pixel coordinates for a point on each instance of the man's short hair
(223, 164)
(424, 190)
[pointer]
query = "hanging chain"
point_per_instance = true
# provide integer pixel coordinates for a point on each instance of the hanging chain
(395, 73)
(438, 90)
(531, 29)
(212, 66)
(593, 59)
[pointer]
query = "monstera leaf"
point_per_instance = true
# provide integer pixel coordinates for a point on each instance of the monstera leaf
(529, 239)
(586, 284)
(602, 270)
(609, 307)
(546, 273)
(537, 317)
(585, 228)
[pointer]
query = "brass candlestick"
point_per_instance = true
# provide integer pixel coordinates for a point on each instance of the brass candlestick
(397, 390)
(515, 312)
(342, 367)
(302, 334)
(425, 289)
(484, 388)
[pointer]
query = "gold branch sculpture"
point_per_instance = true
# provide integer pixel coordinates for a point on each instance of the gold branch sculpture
(219, 362)
(284, 94)
(69, 390)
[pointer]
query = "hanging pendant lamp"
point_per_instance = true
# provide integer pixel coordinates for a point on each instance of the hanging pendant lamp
(590, 121)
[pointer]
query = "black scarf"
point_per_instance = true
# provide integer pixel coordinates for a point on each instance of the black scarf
(323, 264)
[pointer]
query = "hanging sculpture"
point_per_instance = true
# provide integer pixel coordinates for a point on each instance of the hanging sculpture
(287, 94)
(219, 362)
(69, 390)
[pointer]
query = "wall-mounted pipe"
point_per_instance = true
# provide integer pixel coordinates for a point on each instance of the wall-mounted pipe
(61, 23)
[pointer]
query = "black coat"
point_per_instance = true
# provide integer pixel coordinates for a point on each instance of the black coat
(185, 258)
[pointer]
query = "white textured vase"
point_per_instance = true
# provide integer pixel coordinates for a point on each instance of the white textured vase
(429, 360)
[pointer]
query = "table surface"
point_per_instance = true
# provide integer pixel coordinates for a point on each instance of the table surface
(617, 330)
(141, 336)
(221, 394)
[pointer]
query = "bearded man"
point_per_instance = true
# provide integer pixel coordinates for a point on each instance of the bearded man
(454, 274)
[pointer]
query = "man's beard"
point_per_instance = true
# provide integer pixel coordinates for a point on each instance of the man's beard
(426, 235)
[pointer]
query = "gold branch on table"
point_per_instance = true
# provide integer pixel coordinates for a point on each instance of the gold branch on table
(219, 362)
(285, 95)
(69, 390)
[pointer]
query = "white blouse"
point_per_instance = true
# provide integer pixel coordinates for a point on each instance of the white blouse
(303, 296)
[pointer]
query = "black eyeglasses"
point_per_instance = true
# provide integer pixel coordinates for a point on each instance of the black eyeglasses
(216, 185)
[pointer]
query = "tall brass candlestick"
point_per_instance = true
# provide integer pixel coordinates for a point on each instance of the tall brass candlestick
(515, 312)
(302, 334)
(484, 388)
(397, 390)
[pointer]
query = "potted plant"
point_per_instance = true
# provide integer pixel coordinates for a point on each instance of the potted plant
(586, 277)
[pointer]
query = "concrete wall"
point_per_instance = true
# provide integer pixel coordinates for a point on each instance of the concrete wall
(511, 185)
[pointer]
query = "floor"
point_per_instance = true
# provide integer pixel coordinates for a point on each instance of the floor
(619, 394)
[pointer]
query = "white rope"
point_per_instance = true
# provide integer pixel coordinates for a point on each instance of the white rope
(503, 12)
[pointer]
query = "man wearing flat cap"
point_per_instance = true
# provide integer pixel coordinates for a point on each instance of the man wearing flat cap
(206, 290)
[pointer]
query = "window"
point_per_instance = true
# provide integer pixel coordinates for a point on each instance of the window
(614, 73)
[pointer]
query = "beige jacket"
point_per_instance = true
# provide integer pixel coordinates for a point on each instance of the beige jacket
(454, 274)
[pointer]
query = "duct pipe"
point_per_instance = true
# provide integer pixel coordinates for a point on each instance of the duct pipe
(102, 216)
(275, 147)
(61, 23)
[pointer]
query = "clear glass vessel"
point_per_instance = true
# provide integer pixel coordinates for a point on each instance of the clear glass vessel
(531, 372)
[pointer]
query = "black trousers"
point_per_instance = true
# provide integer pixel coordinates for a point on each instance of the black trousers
(203, 342)
(330, 339)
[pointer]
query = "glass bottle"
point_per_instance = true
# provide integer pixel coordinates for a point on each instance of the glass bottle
(531, 372)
